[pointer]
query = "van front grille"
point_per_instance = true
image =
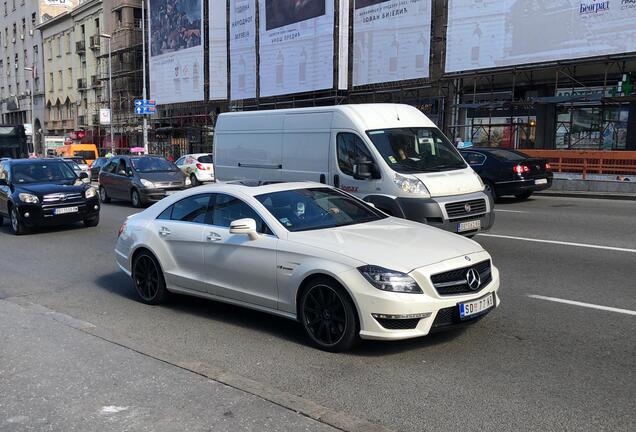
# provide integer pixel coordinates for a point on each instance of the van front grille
(465, 208)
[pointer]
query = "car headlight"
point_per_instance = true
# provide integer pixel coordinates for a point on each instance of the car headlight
(90, 192)
(147, 184)
(188, 182)
(410, 184)
(389, 280)
(28, 198)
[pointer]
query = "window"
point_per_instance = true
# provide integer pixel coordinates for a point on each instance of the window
(205, 159)
(110, 167)
(179, 161)
(192, 209)
(474, 158)
(350, 147)
(228, 209)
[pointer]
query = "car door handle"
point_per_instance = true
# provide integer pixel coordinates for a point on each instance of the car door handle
(164, 232)
(212, 236)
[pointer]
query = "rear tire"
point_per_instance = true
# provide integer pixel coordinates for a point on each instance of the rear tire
(328, 316)
(103, 195)
(194, 180)
(135, 198)
(148, 279)
(524, 196)
(91, 222)
(16, 224)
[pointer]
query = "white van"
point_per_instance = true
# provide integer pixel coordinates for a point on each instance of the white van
(390, 155)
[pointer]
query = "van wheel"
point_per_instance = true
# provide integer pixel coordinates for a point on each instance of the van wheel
(103, 196)
(135, 198)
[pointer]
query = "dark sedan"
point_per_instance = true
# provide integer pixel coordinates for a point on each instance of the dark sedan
(140, 179)
(509, 172)
(44, 192)
(97, 166)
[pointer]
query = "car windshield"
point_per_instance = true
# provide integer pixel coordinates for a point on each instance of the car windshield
(41, 172)
(205, 159)
(152, 164)
(413, 150)
(317, 208)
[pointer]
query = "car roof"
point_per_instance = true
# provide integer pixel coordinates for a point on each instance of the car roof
(28, 161)
(254, 188)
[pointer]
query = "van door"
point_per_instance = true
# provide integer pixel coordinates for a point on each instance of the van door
(347, 149)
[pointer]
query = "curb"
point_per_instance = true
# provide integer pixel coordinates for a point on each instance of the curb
(591, 195)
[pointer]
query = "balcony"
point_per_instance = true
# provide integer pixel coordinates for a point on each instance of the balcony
(118, 4)
(81, 121)
(80, 47)
(68, 124)
(94, 42)
(126, 38)
(95, 82)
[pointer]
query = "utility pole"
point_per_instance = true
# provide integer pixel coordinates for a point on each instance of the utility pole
(110, 92)
(32, 70)
(143, 45)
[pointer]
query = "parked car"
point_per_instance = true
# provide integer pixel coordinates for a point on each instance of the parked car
(43, 192)
(96, 167)
(312, 253)
(390, 155)
(140, 179)
(509, 172)
(198, 167)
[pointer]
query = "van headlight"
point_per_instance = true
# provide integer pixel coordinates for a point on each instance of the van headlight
(389, 280)
(28, 198)
(410, 185)
(147, 184)
(90, 192)
(481, 182)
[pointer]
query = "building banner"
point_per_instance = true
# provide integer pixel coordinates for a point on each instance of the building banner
(296, 46)
(49, 9)
(176, 50)
(218, 49)
(392, 40)
(496, 33)
(243, 49)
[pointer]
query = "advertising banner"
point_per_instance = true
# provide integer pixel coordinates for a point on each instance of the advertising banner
(52, 8)
(243, 49)
(176, 50)
(296, 46)
(218, 49)
(392, 40)
(495, 33)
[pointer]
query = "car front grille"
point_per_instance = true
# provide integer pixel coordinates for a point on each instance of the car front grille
(63, 198)
(168, 184)
(456, 281)
(398, 324)
(462, 209)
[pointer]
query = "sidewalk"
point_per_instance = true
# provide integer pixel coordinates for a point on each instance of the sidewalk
(56, 377)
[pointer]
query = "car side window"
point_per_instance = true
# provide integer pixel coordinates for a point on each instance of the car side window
(350, 147)
(110, 167)
(227, 209)
(4, 171)
(179, 161)
(474, 158)
(192, 209)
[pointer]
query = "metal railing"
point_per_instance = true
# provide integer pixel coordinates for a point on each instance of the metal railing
(588, 161)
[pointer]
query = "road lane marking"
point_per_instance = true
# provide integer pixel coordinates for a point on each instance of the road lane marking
(564, 243)
(510, 211)
(587, 305)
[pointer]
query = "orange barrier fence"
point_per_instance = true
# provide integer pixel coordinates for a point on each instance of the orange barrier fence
(588, 161)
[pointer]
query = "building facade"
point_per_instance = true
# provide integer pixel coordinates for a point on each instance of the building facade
(20, 48)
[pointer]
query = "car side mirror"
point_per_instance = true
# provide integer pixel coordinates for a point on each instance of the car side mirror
(363, 169)
(83, 175)
(3, 182)
(129, 172)
(244, 227)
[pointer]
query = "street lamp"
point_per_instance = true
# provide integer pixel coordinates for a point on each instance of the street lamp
(32, 70)
(110, 91)
(143, 45)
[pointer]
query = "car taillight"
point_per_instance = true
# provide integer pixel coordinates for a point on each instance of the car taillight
(520, 169)
(201, 167)
(121, 229)
(547, 166)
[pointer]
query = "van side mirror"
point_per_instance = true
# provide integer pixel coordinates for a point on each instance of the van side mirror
(244, 227)
(363, 169)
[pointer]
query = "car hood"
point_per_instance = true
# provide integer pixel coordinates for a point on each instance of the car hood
(392, 243)
(41, 189)
(164, 176)
(452, 182)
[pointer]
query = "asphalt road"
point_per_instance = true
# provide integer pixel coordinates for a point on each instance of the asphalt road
(533, 364)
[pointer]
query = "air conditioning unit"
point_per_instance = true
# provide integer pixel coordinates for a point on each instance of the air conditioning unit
(31, 32)
(13, 40)
(22, 37)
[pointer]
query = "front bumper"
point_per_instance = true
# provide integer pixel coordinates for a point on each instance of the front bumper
(517, 187)
(35, 215)
(439, 310)
(157, 194)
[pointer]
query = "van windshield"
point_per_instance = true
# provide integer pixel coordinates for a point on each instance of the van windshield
(413, 150)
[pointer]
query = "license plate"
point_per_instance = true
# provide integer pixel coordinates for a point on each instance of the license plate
(469, 225)
(476, 307)
(65, 210)
(541, 181)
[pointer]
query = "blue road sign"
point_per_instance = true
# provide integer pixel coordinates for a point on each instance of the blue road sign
(138, 102)
(145, 106)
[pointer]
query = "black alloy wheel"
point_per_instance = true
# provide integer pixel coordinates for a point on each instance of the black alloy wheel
(16, 224)
(135, 198)
(328, 316)
(148, 279)
(103, 196)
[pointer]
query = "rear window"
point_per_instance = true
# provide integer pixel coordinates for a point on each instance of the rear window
(205, 159)
(509, 155)
(85, 154)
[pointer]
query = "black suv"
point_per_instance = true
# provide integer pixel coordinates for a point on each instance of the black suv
(140, 179)
(43, 192)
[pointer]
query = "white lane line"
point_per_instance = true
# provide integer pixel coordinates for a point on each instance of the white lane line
(510, 211)
(584, 245)
(587, 305)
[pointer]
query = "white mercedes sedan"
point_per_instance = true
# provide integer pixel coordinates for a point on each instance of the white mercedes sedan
(311, 253)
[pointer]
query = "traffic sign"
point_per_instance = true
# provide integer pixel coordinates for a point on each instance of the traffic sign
(145, 106)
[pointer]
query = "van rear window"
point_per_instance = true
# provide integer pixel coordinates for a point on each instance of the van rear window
(85, 154)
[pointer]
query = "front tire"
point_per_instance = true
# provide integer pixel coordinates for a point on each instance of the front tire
(328, 316)
(92, 222)
(135, 198)
(148, 279)
(16, 224)
(103, 195)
